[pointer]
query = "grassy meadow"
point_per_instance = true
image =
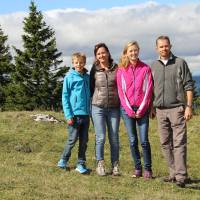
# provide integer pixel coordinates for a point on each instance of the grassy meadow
(29, 152)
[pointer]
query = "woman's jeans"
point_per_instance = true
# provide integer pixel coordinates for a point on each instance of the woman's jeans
(143, 125)
(109, 117)
(79, 130)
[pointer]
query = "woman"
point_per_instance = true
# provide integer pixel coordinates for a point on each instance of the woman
(105, 107)
(134, 81)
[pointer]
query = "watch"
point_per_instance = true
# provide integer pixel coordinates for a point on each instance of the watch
(189, 106)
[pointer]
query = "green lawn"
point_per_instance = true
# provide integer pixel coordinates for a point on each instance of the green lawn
(26, 175)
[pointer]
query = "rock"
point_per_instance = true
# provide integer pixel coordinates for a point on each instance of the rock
(46, 118)
(23, 148)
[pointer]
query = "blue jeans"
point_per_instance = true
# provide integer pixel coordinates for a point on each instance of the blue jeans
(143, 125)
(79, 130)
(109, 117)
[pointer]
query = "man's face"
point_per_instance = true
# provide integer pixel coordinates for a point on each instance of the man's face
(163, 48)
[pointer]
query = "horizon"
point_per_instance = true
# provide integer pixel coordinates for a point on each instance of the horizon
(78, 26)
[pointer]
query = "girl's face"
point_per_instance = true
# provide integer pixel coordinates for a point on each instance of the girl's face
(102, 55)
(133, 53)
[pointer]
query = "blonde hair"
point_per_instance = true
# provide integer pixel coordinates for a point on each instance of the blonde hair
(124, 61)
(79, 55)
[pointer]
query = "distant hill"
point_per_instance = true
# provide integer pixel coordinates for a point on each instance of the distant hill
(197, 81)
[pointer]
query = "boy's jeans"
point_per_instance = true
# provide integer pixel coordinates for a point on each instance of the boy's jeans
(143, 125)
(109, 117)
(79, 130)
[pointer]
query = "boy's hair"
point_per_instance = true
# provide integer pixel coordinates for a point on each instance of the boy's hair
(163, 37)
(124, 61)
(79, 55)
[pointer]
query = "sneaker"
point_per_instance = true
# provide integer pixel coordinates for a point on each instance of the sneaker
(115, 169)
(62, 164)
(148, 174)
(180, 184)
(188, 180)
(169, 179)
(137, 173)
(101, 168)
(81, 168)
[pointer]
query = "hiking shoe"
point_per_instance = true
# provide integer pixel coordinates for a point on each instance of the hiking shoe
(180, 184)
(137, 173)
(115, 169)
(81, 168)
(62, 164)
(169, 179)
(101, 168)
(188, 180)
(148, 174)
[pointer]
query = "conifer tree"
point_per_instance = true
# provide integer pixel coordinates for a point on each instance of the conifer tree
(37, 76)
(5, 67)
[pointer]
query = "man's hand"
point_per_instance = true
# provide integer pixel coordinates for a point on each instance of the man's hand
(152, 113)
(188, 113)
(70, 122)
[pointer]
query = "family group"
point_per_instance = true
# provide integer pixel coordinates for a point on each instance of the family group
(134, 91)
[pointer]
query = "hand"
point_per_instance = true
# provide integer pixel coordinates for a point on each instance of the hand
(70, 122)
(152, 113)
(188, 113)
(138, 116)
(133, 115)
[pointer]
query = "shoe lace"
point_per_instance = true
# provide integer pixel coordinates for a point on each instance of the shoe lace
(101, 164)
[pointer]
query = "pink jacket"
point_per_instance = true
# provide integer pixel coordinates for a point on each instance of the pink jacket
(135, 87)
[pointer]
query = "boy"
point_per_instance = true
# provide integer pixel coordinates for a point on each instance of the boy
(75, 101)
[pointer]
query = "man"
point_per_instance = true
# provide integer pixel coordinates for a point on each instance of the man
(173, 93)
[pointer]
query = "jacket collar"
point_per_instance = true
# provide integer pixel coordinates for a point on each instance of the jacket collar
(75, 72)
(171, 57)
(111, 67)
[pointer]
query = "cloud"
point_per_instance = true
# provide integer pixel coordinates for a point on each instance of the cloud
(81, 29)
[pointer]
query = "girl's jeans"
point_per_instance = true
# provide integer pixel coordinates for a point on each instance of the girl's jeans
(143, 125)
(79, 130)
(109, 117)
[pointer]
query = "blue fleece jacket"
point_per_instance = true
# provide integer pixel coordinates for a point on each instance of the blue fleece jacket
(76, 94)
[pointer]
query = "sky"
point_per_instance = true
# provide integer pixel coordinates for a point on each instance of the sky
(44, 5)
(80, 24)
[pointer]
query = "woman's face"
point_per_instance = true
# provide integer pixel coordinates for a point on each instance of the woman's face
(102, 55)
(133, 53)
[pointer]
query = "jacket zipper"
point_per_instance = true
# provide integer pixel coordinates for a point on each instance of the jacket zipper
(163, 85)
(107, 88)
(134, 82)
(84, 82)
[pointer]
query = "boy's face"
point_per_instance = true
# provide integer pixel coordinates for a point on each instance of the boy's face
(78, 64)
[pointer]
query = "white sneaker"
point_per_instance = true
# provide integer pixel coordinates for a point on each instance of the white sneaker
(101, 168)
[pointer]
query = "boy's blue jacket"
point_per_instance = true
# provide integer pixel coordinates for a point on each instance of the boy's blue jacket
(76, 94)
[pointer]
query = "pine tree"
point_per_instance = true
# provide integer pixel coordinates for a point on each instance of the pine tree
(5, 67)
(37, 76)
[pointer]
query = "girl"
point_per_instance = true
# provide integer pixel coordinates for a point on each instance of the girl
(134, 81)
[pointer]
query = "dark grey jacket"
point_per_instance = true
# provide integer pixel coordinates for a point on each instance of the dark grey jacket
(103, 87)
(171, 81)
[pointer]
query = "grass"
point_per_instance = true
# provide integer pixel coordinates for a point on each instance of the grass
(29, 152)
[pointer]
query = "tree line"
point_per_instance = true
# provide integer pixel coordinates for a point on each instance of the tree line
(32, 79)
